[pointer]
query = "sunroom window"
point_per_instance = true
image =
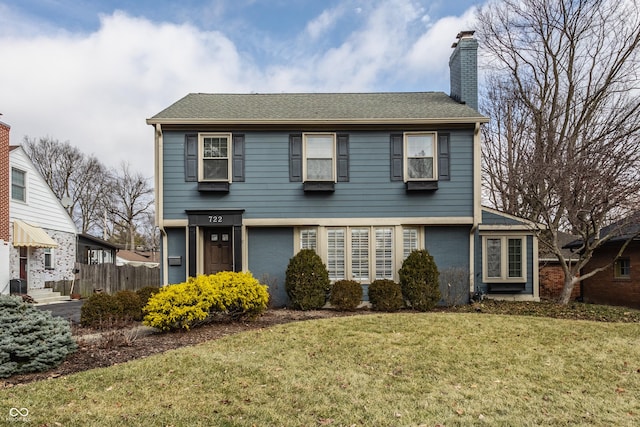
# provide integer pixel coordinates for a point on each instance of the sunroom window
(504, 259)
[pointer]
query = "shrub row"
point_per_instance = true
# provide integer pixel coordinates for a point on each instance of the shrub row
(31, 340)
(105, 310)
(184, 305)
(308, 286)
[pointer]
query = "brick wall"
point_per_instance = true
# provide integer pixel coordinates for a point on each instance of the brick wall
(552, 282)
(604, 288)
(4, 182)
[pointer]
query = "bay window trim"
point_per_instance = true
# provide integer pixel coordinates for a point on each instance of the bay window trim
(504, 258)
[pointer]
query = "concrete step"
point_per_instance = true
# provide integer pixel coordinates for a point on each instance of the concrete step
(47, 296)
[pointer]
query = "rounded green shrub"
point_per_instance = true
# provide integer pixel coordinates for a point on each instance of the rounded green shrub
(145, 293)
(307, 281)
(131, 305)
(419, 280)
(100, 311)
(346, 295)
(31, 340)
(188, 304)
(385, 295)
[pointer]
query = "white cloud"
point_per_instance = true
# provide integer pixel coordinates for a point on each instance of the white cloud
(95, 90)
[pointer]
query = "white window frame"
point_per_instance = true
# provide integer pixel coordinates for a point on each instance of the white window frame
(351, 261)
(24, 187)
(50, 255)
(201, 158)
(306, 151)
(434, 155)
(504, 259)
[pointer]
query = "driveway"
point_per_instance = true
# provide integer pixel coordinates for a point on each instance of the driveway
(69, 310)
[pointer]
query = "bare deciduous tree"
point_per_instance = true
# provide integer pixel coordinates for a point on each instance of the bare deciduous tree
(132, 200)
(563, 147)
(70, 173)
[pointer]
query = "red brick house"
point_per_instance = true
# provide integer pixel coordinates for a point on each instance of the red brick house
(619, 282)
(550, 271)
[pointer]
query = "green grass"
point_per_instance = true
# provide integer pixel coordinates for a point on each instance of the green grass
(404, 369)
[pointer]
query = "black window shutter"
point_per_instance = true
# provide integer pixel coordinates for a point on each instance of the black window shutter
(443, 157)
(295, 158)
(191, 157)
(396, 157)
(343, 158)
(238, 158)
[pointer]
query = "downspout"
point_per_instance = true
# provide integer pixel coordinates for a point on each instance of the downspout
(477, 205)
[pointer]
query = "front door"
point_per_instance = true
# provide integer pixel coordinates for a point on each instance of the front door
(218, 250)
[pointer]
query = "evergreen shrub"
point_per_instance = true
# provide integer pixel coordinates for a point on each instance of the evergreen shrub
(188, 304)
(100, 311)
(419, 280)
(31, 340)
(131, 305)
(307, 281)
(346, 295)
(145, 293)
(385, 295)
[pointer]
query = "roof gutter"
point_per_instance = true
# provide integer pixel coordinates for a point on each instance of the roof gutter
(368, 121)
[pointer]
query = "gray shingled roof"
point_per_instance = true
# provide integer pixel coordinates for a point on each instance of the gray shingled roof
(314, 107)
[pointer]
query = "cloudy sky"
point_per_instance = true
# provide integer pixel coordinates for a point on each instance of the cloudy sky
(91, 71)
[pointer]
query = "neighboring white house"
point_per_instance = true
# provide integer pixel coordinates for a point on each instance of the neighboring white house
(42, 234)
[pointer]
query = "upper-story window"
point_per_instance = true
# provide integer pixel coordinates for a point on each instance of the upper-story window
(319, 157)
(214, 160)
(420, 155)
(214, 156)
(18, 185)
(420, 159)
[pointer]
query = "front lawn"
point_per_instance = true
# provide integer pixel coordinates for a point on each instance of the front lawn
(372, 370)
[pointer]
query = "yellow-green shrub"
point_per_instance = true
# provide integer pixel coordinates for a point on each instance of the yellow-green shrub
(187, 304)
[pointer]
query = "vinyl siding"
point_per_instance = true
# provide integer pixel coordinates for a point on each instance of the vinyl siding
(177, 246)
(270, 250)
(268, 193)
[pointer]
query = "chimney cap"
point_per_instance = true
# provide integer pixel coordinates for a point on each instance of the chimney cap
(465, 34)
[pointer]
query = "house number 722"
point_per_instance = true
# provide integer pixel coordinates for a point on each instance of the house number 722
(216, 218)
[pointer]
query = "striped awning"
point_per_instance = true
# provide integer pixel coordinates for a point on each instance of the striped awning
(31, 236)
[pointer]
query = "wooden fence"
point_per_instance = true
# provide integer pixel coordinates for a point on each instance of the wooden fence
(108, 278)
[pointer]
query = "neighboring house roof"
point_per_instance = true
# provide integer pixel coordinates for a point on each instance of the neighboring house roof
(89, 239)
(620, 231)
(545, 254)
(390, 107)
(149, 259)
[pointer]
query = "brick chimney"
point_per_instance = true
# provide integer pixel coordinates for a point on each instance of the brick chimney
(463, 69)
(4, 182)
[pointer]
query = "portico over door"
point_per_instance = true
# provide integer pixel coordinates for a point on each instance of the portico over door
(215, 241)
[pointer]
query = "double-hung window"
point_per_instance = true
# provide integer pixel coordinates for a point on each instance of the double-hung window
(215, 159)
(319, 157)
(504, 259)
(622, 268)
(18, 185)
(48, 259)
(420, 155)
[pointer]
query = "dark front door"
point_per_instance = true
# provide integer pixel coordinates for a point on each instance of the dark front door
(218, 250)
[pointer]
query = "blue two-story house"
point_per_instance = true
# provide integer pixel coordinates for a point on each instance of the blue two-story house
(245, 181)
